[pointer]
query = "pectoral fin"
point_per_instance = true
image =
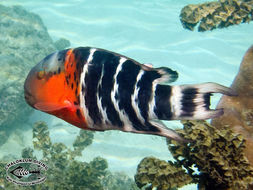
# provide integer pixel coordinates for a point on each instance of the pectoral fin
(49, 107)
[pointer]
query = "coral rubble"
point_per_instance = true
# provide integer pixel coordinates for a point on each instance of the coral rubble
(217, 155)
(218, 14)
(64, 170)
(24, 41)
(161, 174)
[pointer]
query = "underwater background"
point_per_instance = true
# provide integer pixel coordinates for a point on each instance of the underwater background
(147, 31)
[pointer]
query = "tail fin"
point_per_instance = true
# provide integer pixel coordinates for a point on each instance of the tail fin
(191, 102)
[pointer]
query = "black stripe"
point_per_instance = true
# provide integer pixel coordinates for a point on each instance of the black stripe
(145, 91)
(91, 83)
(207, 100)
(110, 62)
(81, 57)
(187, 102)
(126, 80)
(162, 102)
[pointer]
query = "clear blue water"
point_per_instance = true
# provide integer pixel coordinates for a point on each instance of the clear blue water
(149, 32)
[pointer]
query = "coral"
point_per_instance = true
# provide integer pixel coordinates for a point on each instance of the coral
(212, 15)
(60, 160)
(24, 41)
(27, 153)
(238, 110)
(41, 138)
(62, 43)
(3, 136)
(161, 174)
(213, 158)
(82, 141)
(118, 181)
(64, 170)
(218, 155)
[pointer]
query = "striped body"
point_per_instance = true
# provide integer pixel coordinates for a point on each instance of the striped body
(116, 92)
(103, 90)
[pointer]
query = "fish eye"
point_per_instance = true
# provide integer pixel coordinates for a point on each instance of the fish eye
(41, 75)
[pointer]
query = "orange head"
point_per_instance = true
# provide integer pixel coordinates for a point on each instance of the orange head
(53, 86)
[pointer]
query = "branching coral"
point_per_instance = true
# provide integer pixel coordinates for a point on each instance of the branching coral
(217, 154)
(64, 171)
(216, 14)
(118, 181)
(161, 174)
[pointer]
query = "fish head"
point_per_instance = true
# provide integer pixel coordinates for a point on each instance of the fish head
(47, 88)
(44, 83)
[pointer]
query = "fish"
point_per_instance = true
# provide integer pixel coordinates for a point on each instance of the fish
(96, 89)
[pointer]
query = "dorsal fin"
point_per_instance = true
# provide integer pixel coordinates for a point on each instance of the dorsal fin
(167, 74)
